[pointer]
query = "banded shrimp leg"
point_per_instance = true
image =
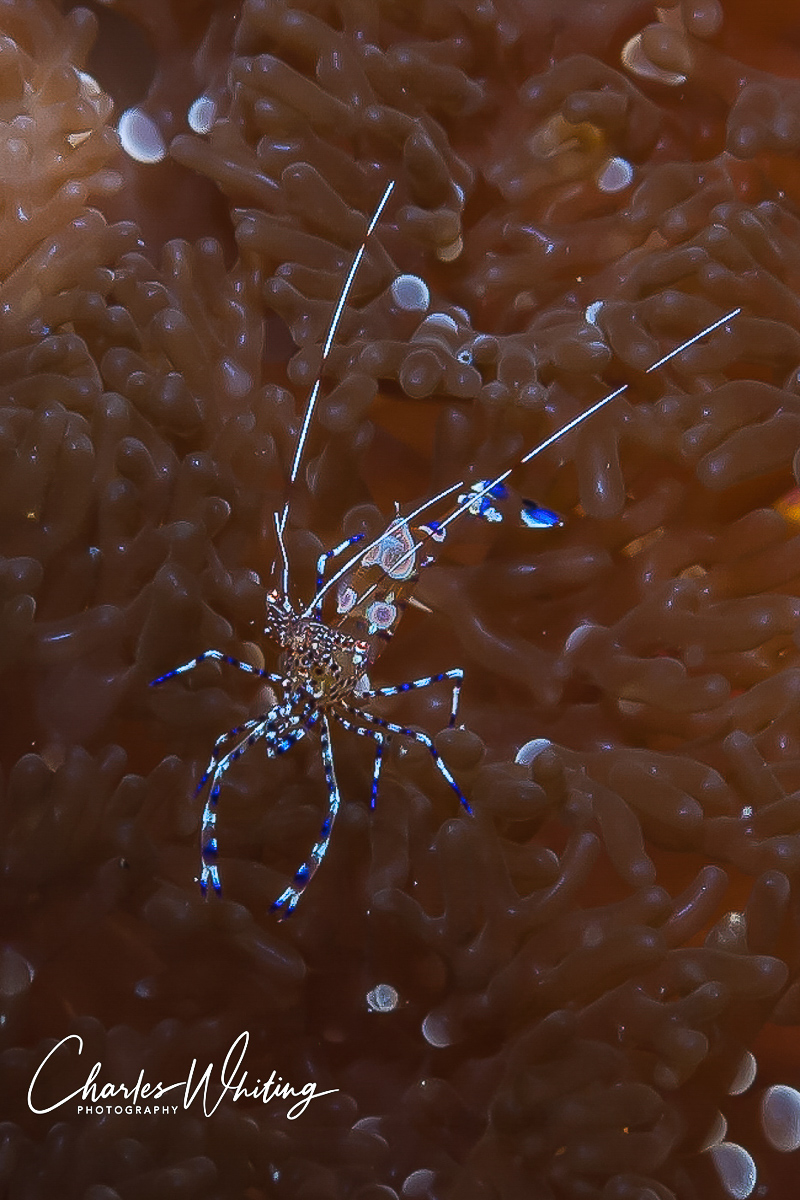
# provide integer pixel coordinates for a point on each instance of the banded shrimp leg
(413, 735)
(381, 736)
(281, 729)
(220, 656)
(290, 897)
(456, 675)
(380, 740)
(217, 656)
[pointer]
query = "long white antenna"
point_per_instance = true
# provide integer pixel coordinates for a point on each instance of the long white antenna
(581, 417)
(538, 449)
(326, 349)
(284, 556)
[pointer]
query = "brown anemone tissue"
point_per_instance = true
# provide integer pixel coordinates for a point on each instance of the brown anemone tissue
(590, 990)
